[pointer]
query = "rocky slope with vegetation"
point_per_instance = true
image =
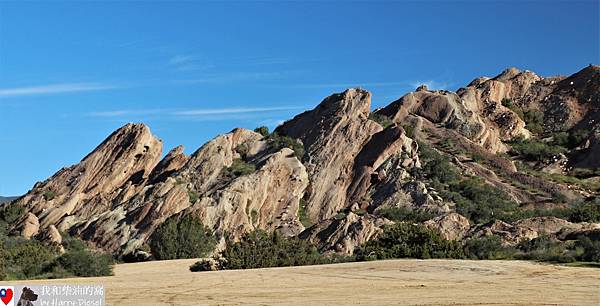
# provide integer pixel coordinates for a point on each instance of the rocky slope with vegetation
(506, 164)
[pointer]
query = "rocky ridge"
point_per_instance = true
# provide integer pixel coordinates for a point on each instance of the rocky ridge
(352, 168)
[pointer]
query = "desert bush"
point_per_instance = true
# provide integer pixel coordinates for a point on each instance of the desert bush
(534, 121)
(25, 258)
(534, 150)
(487, 247)
(258, 249)
(193, 196)
(86, 263)
(263, 130)
(242, 149)
(239, 168)
(9, 215)
(437, 167)
(384, 121)
(49, 195)
(590, 249)
(405, 240)
(586, 212)
(545, 248)
(181, 238)
(478, 201)
(302, 215)
(400, 214)
(279, 142)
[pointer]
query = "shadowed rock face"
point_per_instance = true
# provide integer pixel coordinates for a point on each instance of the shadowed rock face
(352, 168)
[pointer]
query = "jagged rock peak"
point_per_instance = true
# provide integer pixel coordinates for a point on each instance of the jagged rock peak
(116, 168)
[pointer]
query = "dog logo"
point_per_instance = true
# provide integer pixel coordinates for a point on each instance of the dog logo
(6, 296)
(27, 297)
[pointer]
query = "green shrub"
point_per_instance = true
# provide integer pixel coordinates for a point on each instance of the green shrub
(193, 196)
(304, 219)
(9, 215)
(254, 216)
(506, 102)
(279, 142)
(86, 263)
(242, 149)
(534, 150)
(478, 201)
(181, 238)
(402, 240)
(49, 195)
(534, 121)
(587, 212)
(384, 121)
(409, 130)
(487, 247)
(263, 130)
(339, 216)
(545, 248)
(570, 140)
(26, 258)
(239, 168)
(259, 249)
(400, 214)
(437, 167)
(591, 249)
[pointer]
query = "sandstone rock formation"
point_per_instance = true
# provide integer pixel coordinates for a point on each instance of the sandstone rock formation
(355, 165)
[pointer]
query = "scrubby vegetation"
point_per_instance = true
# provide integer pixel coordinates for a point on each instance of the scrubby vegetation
(403, 214)
(29, 258)
(475, 199)
(279, 142)
(184, 237)
(259, 249)
(405, 240)
(535, 150)
(263, 130)
(384, 121)
(239, 167)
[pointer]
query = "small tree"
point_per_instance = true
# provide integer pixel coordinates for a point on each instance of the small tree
(182, 238)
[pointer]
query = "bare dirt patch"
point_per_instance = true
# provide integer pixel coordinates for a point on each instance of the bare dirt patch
(392, 282)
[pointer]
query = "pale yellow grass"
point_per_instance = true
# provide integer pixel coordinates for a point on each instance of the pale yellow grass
(393, 282)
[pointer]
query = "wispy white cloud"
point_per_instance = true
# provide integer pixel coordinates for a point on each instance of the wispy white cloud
(189, 112)
(349, 84)
(222, 111)
(53, 89)
(233, 76)
(125, 112)
(180, 59)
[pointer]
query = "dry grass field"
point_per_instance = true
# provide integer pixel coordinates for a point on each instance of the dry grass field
(393, 282)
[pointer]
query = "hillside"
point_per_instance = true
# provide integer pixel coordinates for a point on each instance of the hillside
(6, 199)
(514, 156)
(389, 282)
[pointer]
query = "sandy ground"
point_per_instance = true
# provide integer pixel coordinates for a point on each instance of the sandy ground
(393, 282)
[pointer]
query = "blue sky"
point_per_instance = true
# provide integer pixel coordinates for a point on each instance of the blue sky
(71, 73)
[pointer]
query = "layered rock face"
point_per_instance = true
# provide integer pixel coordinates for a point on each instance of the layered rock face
(116, 169)
(333, 134)
(354, 167)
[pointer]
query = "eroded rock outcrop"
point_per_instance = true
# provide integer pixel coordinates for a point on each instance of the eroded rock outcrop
(333, 135)
(343, 235)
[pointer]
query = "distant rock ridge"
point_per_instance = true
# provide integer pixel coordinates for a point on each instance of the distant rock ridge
(355, 164)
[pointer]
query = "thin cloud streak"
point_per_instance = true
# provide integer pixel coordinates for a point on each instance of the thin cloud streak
(53, 89)
(221, 111)
(190, 112)
(228, 77)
